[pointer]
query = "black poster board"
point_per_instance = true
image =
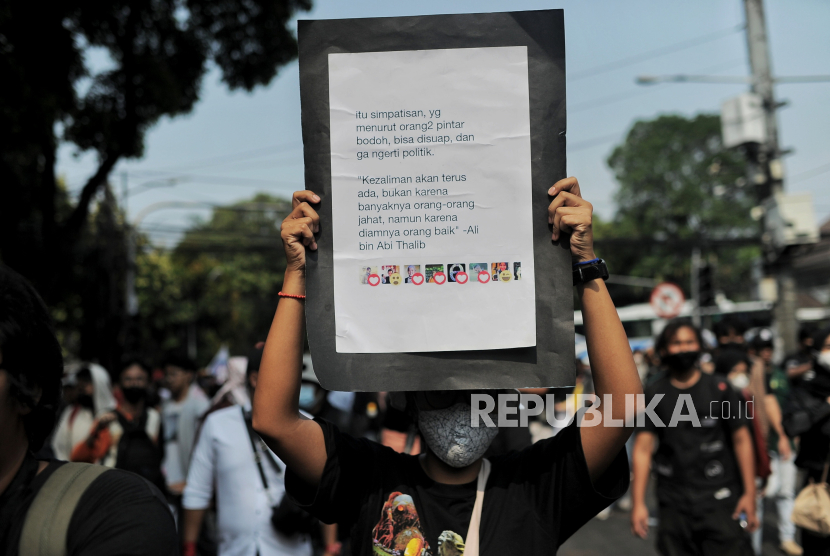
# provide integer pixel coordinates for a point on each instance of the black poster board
(548, 363)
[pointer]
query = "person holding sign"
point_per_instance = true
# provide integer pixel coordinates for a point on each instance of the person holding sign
(449, 500)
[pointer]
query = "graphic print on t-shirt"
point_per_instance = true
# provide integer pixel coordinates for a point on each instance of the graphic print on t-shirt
(450, 544)
(399, 531)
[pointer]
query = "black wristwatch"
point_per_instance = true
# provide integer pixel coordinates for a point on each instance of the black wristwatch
(590, 270)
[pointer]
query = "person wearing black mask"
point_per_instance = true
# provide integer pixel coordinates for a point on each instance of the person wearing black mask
(704, 461)
(128, 437)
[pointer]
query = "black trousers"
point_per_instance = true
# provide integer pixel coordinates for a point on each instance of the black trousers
(697, 531)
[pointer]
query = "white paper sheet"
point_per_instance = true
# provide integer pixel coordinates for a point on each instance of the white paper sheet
(422, 227)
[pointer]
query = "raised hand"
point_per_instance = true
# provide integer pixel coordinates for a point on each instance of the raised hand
(298, 229)
(569, 213)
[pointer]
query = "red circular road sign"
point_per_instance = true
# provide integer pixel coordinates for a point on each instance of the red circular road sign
(667, 300)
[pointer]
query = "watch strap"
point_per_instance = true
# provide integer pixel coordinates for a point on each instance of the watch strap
(588, 272)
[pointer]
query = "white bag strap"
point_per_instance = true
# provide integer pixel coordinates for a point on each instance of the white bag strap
(471, 541)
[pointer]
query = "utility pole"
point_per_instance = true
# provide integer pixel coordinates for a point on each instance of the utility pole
(695, 277)
(789, 221)
(768, 173)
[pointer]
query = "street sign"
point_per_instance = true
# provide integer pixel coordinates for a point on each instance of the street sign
(667, 300)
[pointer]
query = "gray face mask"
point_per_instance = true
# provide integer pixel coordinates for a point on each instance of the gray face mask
(450, 436)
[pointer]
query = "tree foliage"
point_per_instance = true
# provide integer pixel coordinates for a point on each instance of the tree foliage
(219, 285)
(155, 54)
(679, 188)
(159, 50)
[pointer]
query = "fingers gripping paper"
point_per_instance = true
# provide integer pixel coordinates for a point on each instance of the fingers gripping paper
(430, 166)
(432, 141)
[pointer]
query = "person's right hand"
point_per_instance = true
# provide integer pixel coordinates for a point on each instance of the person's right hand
(639, 520)
(298, 229)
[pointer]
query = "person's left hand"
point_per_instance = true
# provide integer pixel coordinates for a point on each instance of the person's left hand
(746, 505)
(569, 213)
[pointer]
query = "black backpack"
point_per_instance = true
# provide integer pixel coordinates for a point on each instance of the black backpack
(138, 453)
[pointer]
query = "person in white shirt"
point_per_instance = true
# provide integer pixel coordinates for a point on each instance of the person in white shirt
(223, 464)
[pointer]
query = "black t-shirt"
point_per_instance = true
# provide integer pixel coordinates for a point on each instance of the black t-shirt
(696, 464)
(535, 499)
(120, 513)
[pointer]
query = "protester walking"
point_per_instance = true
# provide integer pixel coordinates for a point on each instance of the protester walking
(704, 457)
(231, 463)
(808, 416)
(782, 480)
(129, 437)
(180, 419)
(94, 399)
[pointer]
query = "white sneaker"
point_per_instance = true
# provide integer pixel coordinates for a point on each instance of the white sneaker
(604, 514)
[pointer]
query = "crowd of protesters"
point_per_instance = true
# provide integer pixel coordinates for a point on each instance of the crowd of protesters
(183, 463)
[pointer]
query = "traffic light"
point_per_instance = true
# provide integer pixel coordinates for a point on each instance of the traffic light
(706, 285)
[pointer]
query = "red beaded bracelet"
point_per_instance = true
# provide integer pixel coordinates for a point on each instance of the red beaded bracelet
(291, 295)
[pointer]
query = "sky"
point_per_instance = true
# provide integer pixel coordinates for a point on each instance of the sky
(235, 144)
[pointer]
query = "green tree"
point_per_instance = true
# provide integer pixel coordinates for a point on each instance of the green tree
(679, 188)
(219, 283)
(97, 273)
(159, 51)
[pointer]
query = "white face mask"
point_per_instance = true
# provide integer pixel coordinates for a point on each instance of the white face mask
(739, 381)
(449, 434)
(823, 359)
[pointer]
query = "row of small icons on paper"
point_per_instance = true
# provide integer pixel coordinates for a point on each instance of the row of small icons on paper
(458, 273)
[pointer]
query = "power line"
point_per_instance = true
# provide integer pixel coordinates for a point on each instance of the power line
(809, 174)
(231, 180)
(218, 161)
(656, 53)
(610, 99)
(588, 143)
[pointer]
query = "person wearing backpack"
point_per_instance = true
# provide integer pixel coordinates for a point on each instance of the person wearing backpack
(52, 508)
(128, 437)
